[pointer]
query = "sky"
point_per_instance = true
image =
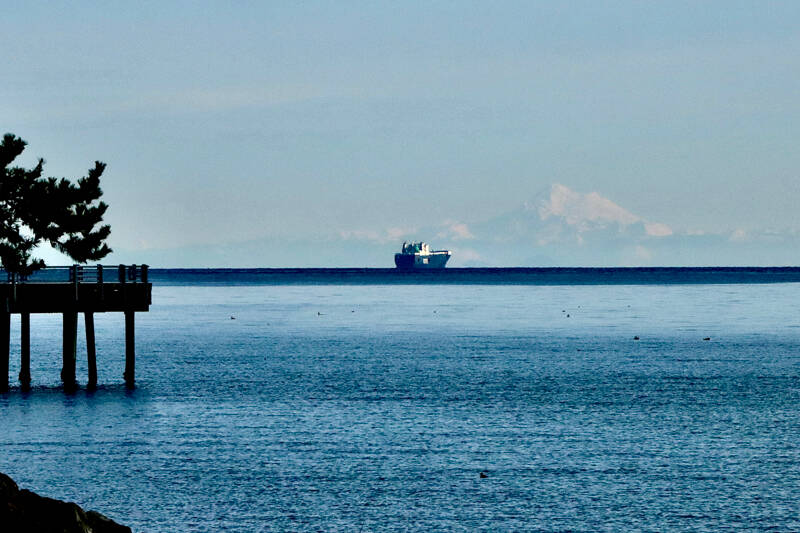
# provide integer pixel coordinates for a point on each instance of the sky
(321, 125)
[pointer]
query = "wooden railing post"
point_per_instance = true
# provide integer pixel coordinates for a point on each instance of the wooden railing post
(73, 274)
(100, 282)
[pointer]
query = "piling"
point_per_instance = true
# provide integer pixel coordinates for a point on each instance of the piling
(5, 342)
(130, 351)
(91, 359)
(70, 341)
(25, 351)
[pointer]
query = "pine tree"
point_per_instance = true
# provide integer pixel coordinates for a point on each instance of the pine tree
(34, 210)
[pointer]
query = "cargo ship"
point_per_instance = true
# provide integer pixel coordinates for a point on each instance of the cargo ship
(418, 255)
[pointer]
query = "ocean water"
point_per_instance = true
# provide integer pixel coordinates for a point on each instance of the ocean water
(361, 407)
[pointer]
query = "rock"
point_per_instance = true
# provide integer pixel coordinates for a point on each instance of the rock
(23, 511)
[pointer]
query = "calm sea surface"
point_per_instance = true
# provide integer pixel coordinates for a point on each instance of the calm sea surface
(268, 406)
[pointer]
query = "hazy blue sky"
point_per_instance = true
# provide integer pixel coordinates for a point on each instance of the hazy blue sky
(232, 121)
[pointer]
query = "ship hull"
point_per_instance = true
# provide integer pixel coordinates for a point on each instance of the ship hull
(421, 262)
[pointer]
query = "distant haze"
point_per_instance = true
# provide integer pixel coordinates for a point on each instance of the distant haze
(326, 133)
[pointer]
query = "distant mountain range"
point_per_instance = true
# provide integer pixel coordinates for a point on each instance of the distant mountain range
(559, 227)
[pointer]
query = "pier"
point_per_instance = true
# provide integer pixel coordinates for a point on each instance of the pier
(70, 291)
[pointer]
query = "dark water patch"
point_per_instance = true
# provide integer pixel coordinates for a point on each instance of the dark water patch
(476, 276)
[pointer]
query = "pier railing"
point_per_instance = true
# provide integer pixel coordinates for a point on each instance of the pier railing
(78, 274)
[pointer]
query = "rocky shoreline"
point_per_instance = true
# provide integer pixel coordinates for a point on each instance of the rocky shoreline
(23, 511)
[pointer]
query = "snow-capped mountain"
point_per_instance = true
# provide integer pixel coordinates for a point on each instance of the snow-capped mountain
(557, 227)
(563, 216)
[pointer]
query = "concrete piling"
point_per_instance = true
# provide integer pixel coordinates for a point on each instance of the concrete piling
(70, 341)
(25, 351)
(91, 359)
(5, 347)
(130, 350)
